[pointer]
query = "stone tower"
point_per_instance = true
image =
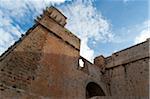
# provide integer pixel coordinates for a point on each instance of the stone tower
(44, 64)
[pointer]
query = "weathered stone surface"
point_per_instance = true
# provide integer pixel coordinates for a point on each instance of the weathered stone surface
(56, 15)
(44, 64)
(60, 31)
(127, 71)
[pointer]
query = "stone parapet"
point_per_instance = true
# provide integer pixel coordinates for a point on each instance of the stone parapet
(61, 32)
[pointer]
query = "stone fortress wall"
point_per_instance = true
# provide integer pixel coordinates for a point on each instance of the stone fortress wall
(127, 72)
(44, 64)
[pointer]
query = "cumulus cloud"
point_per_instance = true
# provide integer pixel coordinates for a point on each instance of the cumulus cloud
(86, 22)
(144, 34)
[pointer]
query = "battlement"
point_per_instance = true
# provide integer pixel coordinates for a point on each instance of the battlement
(53, 20)
(56, 15)
(46, 63)
(131, 54)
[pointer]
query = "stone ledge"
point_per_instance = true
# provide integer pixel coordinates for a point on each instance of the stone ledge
(60, 31)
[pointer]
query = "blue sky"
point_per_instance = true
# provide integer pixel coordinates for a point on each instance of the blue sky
(124, 17)
(104, 26)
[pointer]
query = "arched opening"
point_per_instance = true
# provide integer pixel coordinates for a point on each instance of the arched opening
(93, 89)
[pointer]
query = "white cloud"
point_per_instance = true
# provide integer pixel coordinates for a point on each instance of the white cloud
(18, 9)
(144, 34)
(7, 32)
(86, 51)
(86, 22)
(125, 1)
(132, 34)
(83, 20)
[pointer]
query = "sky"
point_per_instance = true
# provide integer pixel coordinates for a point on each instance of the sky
(104, 26)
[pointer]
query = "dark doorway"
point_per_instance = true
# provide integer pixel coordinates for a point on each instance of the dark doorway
(93, 89)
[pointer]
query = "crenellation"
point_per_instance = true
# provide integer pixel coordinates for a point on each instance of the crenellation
(44, 64)
(62, 33)
(129, 55)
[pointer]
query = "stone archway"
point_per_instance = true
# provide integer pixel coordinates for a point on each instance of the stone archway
(93, 89)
